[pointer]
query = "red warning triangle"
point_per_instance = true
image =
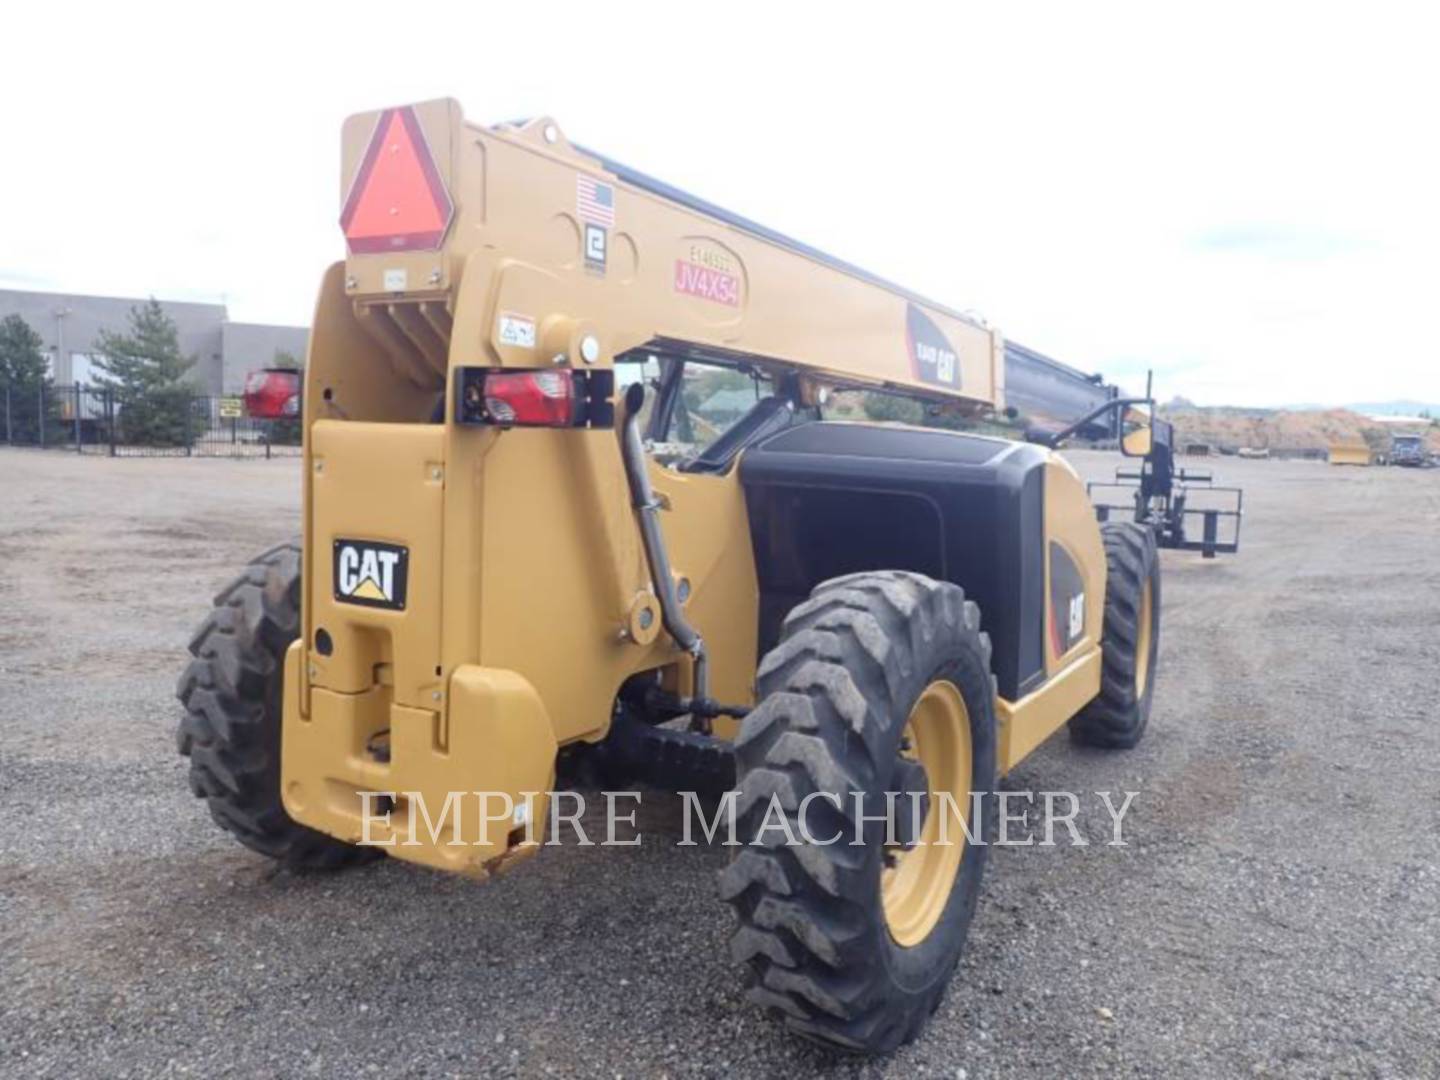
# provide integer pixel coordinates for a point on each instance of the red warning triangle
(397, 202)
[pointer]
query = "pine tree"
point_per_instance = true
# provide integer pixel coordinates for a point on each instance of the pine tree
(145, 369)
(25, 381)
(21, 361)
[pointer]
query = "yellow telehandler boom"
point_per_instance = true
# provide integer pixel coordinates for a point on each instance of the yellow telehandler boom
(526, 212)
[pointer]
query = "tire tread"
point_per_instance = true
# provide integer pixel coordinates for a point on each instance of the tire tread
(230, 729)
(804, 932)
(1117, 717)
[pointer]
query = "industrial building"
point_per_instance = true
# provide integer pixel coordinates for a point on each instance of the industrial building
(69, 324)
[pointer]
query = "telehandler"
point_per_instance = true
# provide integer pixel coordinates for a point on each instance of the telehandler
(570, 487)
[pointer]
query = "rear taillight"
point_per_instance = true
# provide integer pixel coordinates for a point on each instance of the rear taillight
(550, 397)
(273, 393)
(531, 398)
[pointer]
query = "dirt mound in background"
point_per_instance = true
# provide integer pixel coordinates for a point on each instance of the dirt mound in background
(1283, 430)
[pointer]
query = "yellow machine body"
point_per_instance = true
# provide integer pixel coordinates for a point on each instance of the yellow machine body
(528, 600)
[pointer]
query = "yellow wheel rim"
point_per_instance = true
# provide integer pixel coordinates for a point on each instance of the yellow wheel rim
(1142, 642)
(915, 885)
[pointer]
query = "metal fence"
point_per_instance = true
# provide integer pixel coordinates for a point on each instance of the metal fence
(174, 423)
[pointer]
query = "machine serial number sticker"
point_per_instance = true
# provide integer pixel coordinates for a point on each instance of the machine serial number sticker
(371, 573)
(517, 330)
(708, 284)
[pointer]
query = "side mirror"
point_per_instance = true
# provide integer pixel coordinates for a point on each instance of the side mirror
(1136, 431)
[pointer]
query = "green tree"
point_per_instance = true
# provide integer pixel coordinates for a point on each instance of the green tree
(25, 381)
(894, 409)
(21, 361)
(145, 369)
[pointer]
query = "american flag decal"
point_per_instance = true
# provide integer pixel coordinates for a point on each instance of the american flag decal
(594, 201)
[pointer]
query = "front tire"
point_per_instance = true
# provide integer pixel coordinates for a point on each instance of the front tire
(231, 690)
(1129, 642)
(873, 673)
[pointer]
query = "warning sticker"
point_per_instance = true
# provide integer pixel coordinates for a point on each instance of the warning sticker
(398, 201)
(517, 330)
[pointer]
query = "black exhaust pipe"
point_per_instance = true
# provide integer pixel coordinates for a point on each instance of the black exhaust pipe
(647, 513)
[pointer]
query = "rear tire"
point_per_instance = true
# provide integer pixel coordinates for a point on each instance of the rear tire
(231, 691)
(1117, 717)
(818, 925)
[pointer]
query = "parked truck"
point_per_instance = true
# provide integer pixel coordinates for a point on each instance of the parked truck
(1409, 450)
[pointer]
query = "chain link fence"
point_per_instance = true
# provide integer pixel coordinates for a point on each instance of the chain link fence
(175, 423)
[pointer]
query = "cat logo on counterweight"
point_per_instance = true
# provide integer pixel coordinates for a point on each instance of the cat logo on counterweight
(371, 574)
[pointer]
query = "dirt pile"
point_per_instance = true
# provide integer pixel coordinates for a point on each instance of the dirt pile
(1282, 430)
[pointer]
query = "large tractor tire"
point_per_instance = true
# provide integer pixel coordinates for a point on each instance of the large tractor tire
(881, 682)
(231, 691)
(1117, 717)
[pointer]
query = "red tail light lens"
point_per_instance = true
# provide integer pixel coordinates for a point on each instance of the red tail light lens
(547, 397)
(530, 398)
(273, 393)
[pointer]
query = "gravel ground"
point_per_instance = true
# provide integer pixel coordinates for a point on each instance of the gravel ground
(1275, 913)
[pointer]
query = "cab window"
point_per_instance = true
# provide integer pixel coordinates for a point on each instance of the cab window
(700, 402)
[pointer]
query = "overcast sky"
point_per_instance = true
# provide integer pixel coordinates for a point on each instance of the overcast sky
(1244, 198)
